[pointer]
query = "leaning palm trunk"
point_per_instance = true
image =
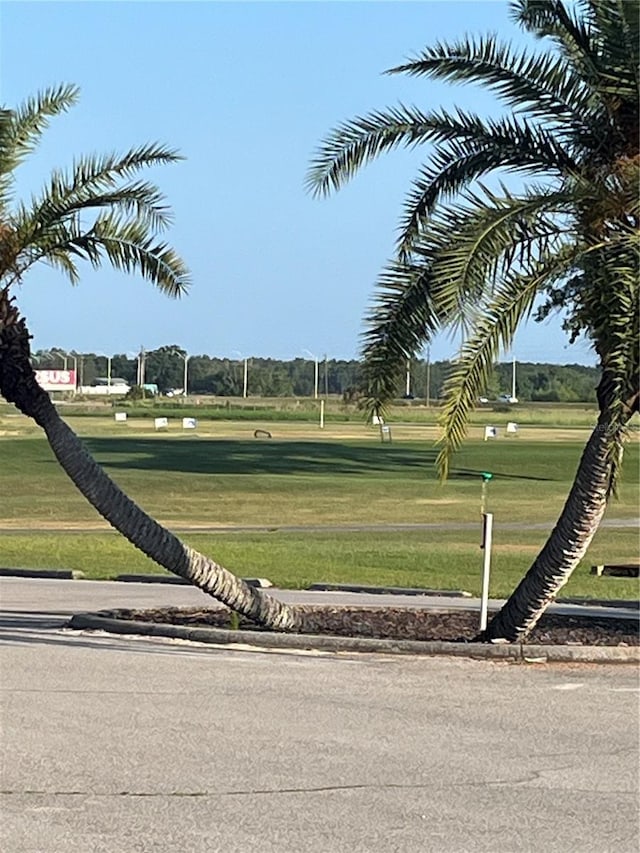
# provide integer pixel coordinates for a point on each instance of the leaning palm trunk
(566, 545)
(18, 385)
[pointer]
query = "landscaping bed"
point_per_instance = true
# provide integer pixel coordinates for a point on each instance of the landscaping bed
(401, 623)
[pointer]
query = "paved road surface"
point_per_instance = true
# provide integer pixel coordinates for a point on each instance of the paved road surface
(60, 599)
(119, 745)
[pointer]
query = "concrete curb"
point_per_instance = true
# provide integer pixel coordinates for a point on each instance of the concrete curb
(519, 652)
(74, 574)
(602, 602)
(52, 574)
(263, 583)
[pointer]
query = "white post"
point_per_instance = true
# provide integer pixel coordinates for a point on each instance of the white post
(513, 380)
(315, 375)
(108, 371)
(428, 377)
(321, 414)
(487, 533)
(244, 387)
(186, 375)
(408, 386)
(141, 370)
(75, 369)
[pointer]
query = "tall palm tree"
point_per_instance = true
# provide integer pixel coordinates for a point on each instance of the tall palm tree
(99, 212)
(480, 257)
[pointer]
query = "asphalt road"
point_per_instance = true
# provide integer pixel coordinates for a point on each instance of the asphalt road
(119, 745)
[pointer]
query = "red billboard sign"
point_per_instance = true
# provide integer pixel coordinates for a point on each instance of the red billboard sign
(56, 380)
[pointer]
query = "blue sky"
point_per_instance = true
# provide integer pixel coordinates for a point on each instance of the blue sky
(246, 91)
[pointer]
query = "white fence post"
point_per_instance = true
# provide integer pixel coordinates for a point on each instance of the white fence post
(487, 535)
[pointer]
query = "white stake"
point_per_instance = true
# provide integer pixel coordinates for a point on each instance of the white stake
(321, 414)
(487, 532)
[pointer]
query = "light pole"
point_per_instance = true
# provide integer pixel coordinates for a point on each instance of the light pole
(315, 382)
(61, 354)
(65, 356)
(245, 371)
(108, 360)
(185, 357)
(428, 377)
(185, 376)
(408, 383)
(141, 366)
(326, 377)
(513, 380)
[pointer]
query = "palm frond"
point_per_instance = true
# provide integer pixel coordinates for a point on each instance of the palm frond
(141, 197)
(617, 25)
(401, 320)
(94, 184)
(531, 83)
(478, 240)
(130, 249)
(353, 144)
(455, 265)
(495, 328)
(26, 124)
(127, 243)
(101, 177)
(572, 35)
(507, 145)
(62, 260)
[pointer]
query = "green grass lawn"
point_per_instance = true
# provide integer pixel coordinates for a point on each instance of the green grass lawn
(442, 560)
(310, 478)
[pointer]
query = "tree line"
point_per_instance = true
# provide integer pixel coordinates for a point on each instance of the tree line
(270, 377)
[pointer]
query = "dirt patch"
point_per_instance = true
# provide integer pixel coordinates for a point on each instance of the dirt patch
(403, 624)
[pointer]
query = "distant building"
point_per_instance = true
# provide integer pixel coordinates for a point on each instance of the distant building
(104, 387)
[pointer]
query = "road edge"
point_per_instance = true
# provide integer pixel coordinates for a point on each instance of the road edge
(519, 652)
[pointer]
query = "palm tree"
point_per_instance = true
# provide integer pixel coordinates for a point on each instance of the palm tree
(99, 211)
(485, 257)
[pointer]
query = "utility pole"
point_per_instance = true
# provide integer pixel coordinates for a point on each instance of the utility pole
(316, 372)
(326, 377)
(141, 358)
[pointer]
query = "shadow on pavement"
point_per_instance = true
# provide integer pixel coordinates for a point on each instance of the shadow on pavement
(48, 629)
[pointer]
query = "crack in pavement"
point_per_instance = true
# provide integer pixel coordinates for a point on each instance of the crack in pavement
(233, 793)
(534, 776)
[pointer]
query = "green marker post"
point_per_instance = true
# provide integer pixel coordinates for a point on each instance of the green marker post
(486, 478)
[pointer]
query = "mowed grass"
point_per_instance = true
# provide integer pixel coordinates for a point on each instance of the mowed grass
(222, 476)
(441, 560)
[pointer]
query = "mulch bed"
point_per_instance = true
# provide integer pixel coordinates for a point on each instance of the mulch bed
(404, 624)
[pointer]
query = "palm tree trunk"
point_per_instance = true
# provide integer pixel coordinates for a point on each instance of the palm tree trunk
(566, 545)
(18, 385)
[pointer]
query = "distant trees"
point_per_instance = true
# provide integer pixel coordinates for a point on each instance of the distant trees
(268, 377)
